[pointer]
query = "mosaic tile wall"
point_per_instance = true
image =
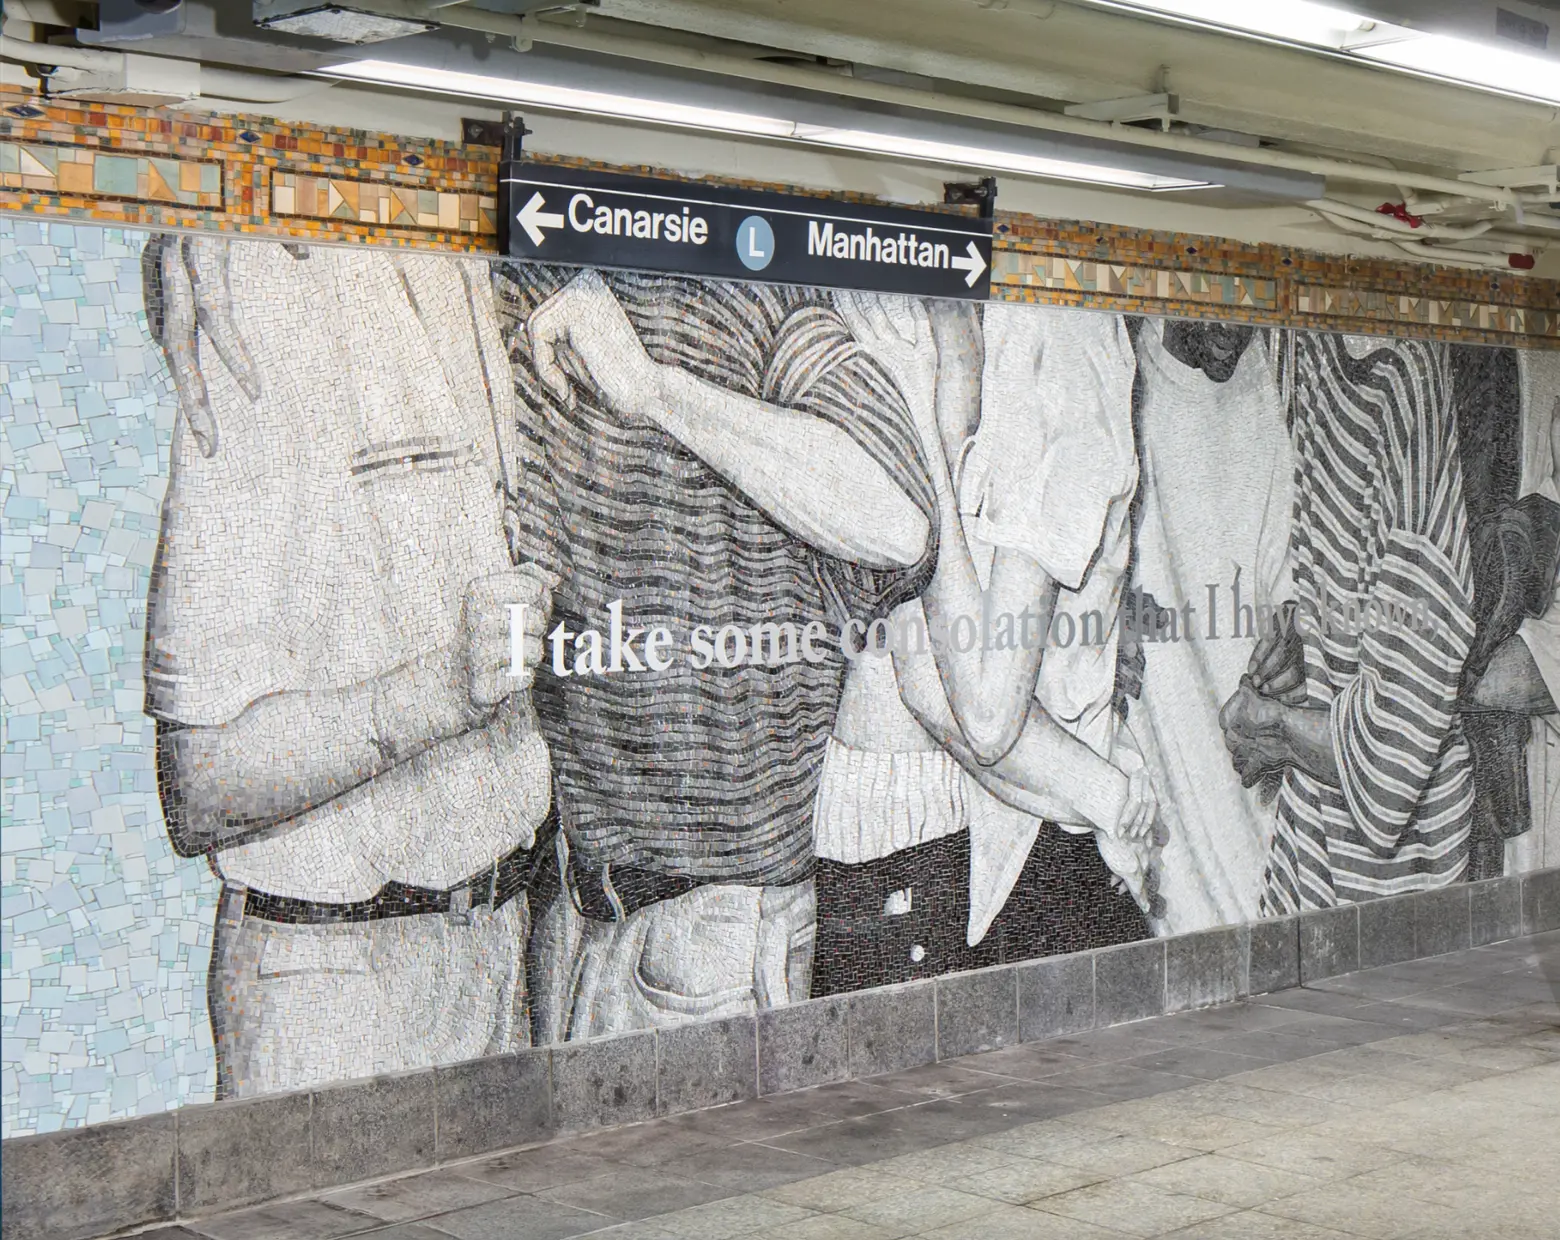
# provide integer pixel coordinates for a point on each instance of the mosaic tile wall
(302, 181)
(106, 932)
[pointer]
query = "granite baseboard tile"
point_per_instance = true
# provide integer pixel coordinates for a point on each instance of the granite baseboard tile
(803, 1044)
(234, 1154)
(1129, 982)
(1273, 955)
(892, 1028)
(495, 1103)
(1206, 968)
(1442, 921)
(375, 1127)
(706, 1064)
(603, 1082)
(1387, 930)
(1329, 942)
(1541, 901)
(86, 1182)
(976, 1011)
(1495, 910)
(1055, 997)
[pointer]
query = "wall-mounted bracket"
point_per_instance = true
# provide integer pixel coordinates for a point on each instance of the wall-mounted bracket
(1163, 106)
(982, 194)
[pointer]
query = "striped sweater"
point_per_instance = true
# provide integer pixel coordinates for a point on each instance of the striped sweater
(709, 774)
(1379, 527)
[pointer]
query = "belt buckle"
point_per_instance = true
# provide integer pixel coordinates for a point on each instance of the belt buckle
(472, 912)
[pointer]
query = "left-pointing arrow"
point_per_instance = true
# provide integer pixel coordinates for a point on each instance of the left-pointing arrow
(533, 219)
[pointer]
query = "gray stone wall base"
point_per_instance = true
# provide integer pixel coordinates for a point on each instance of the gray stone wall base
(88, 1182)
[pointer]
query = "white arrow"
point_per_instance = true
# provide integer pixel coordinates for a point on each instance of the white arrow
(533, 219)
(974, 264)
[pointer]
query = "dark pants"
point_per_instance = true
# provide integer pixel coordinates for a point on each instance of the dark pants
(1063, 902)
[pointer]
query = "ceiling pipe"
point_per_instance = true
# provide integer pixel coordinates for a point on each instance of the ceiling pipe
(466, 18)
(1388, 223)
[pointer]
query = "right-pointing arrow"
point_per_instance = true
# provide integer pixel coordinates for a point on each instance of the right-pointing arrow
(973, 265)
(533, 219)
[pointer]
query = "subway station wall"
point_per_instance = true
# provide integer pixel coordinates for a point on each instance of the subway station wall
(409, 657)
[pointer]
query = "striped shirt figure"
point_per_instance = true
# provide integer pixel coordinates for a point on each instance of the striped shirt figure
(686, 793)
(1385, 594)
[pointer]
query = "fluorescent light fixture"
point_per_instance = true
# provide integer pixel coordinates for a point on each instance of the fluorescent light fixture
(1294, 21)
(1464, 61)
(565, 98)
(995, 161)
(631, 107)
(338, 23)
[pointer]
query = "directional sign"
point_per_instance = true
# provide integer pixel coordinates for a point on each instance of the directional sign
(600, 219)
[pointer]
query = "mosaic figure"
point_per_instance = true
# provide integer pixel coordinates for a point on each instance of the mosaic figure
(328, 656)
(721, 466)
(1516, 680)
(1377, 793)
(934, 855)
(1212, 531)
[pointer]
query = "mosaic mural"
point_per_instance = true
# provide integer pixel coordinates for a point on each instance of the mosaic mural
(410, 657)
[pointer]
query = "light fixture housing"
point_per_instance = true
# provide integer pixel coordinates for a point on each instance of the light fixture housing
(336, 23)
(866, 133)
(1450, 58)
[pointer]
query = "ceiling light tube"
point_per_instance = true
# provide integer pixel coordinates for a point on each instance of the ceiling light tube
(963, 156)
(638, 108)
(1466, 62)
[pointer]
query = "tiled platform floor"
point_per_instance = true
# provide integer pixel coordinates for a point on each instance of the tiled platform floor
(1417, 1101)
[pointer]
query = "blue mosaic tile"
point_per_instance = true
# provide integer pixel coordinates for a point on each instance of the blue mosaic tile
(106, 931)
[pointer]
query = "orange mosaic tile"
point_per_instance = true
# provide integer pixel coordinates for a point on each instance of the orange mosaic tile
(257, 176)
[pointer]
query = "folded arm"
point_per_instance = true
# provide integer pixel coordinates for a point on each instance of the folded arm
(809, 476)
(1046, 772)
(290, 752)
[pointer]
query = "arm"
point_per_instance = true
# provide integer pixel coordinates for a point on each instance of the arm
(1512, 682)
(809, 476)
(1047, 772)
(937, 358)
(1264, 735)
(290, 752)
(813, 479)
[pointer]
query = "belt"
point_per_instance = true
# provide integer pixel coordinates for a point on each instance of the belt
(494, 886)
(609, 891)
(616, 892)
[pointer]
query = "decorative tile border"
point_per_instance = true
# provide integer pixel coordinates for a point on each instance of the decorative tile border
(99, 174)
(395, 206)
(1094, 266)
(1060, 272)
(1363, 303)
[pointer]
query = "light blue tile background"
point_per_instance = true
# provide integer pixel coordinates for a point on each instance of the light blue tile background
(105, 934)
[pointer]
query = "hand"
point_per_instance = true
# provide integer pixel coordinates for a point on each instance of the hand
(1277, 666)
(483, 649)
(191, 294)
(896, 332)
(1141, 807)
(581, 333)
(1254, 734)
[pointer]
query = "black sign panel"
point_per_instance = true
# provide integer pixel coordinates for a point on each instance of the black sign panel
(600, 219)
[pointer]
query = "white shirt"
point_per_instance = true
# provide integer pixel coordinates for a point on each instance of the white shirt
(1215, 509)
(331, 539)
